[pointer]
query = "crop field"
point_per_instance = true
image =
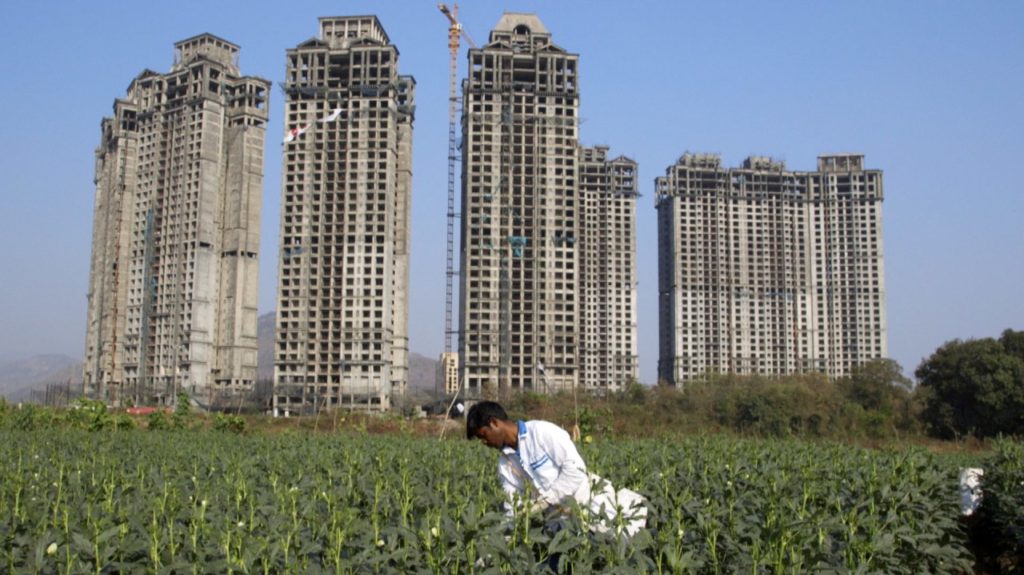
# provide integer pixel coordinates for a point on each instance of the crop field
(205, 502)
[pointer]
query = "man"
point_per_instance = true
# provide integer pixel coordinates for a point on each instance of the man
(542, 472)
(539, 467)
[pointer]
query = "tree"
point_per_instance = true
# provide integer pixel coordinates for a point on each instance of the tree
(878, 398)
(975, 387)
(876, 385)
(1013, 343)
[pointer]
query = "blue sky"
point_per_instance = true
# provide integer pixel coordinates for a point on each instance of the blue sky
(932, 93)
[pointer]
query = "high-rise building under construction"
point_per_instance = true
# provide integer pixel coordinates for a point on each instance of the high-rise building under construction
(763, 270)
(607, 283)
(522, 294)
(173, 280)
(342, 317)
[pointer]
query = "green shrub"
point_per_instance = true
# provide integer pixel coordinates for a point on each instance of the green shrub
(123, 421)
(232, 423)
(89, 414)
(158, 421)
(1002, 505)
(182, 412)
(635, 393)
(28, 417)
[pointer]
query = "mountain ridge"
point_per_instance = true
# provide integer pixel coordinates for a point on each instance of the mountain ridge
(19, 377)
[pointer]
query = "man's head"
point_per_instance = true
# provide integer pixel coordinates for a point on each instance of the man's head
(485, 421)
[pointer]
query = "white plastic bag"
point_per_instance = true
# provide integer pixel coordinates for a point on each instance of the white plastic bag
(622, 510)
(970, 489)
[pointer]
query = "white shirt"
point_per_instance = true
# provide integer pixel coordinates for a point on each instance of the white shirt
(546, 460)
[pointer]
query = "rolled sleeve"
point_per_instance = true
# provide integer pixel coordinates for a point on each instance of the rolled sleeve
(572, 472)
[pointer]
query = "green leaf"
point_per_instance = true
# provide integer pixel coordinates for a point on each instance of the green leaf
(81, 544)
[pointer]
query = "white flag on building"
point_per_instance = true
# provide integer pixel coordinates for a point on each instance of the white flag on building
(332, 116)
(295, 133)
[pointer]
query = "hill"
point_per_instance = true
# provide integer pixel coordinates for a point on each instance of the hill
(422, 372)
(19, 377)
(422, 369)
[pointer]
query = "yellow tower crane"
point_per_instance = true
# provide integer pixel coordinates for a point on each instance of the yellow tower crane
(455, 31)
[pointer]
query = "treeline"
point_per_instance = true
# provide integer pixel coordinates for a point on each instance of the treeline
(875, 403)
(92, 415)
(972, 388)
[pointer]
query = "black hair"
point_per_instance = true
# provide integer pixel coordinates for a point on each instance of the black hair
(481, 414)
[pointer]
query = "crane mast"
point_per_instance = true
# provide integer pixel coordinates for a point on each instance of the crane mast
(455, 31)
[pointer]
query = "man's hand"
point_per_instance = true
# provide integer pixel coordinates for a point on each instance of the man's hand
(543, 508)
(538, 507)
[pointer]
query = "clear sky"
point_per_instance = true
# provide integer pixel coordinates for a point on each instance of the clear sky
(932, 93)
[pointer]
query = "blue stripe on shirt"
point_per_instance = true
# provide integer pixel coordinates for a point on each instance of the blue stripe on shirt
(540, 461)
